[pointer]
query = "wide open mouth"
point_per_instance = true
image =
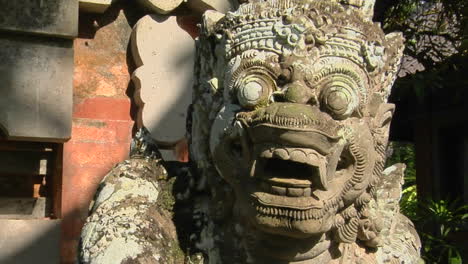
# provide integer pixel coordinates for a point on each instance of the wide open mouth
(285, 171)
(293, 183)
(287, 179)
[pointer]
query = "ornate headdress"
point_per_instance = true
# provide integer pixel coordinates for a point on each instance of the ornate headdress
(302, 28)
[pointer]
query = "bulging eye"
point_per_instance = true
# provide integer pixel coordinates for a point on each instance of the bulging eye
(339, 99)
(254, 90)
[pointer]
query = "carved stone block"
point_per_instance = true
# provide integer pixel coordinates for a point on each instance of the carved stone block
(164, 54)
(222, 6)
(37, 75)
(95, 6)
(45, 17)
(161, 6)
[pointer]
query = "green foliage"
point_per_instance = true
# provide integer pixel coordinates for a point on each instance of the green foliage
(409, 202)
(435, 220)
(404, 153)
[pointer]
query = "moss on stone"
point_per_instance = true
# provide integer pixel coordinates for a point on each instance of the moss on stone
(166, 200)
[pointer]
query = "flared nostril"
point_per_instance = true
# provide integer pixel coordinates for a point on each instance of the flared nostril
(278, 97)
(285, 77)
(297, 92)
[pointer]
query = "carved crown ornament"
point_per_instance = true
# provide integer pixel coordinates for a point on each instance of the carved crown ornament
(308, 30)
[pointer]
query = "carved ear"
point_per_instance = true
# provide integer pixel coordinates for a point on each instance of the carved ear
(222, 134)
(394, 47)
(383, 116)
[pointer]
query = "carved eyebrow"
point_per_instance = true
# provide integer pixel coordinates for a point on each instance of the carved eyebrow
(255, 63)
(333, 69)
(253, 66)
(340, 69)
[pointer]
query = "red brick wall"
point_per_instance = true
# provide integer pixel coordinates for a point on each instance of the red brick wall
(102, 123)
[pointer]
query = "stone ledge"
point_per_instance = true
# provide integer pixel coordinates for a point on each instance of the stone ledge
(36, 101)
(46, 17)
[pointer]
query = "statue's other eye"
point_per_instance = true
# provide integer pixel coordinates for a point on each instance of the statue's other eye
(254, 90)
(339, 99)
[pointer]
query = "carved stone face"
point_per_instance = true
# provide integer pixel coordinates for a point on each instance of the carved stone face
(300, 139)
(303, 123)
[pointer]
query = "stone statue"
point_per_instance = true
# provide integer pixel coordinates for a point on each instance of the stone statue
(288, 131)
(291, 117)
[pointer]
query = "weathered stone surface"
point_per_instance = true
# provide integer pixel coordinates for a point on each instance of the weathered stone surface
(404, 242)
(95, 6)
(131, 216)
(223, 6)
(161, 6)
(36, 101)
(164, 54)
(47, 17)
(29, 241)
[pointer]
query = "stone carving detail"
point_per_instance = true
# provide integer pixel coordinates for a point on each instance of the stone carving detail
(289, 131)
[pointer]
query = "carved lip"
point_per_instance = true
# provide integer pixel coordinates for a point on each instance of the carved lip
(298, 203)
(294, 137)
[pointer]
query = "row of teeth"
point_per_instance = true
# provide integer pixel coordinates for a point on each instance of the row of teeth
(286, 191)
(284, 121)
(306, 156)
(294, 214)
